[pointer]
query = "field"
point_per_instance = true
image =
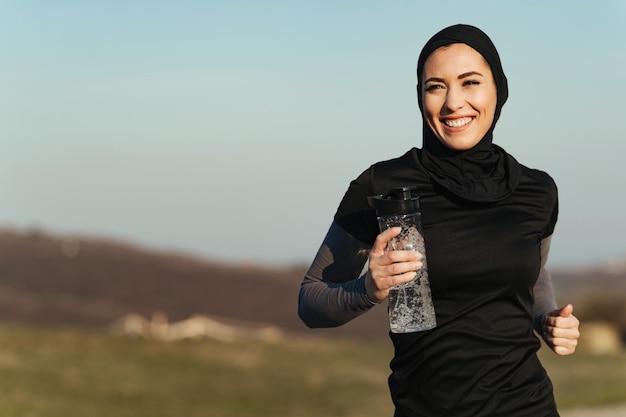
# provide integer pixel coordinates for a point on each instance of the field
(67, 372)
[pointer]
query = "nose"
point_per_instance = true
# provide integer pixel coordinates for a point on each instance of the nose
(454, 99)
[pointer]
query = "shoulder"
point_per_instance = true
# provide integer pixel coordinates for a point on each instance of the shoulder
(377, 178)
(538, 189)
(403, 170)
(354, 213)
(538, 178)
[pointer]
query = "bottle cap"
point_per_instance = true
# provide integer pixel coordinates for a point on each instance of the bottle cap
(401, 200)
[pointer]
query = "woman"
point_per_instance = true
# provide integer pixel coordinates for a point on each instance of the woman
(487, 223)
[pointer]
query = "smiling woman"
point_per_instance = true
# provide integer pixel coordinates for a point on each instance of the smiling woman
(487, 225)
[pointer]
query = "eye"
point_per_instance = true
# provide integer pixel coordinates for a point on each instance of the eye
(471, 82)
(434, 87)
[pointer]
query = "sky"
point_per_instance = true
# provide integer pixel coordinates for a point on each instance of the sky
(231, 129)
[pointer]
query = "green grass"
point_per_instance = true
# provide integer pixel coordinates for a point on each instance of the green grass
(585, 380)
(67, 373)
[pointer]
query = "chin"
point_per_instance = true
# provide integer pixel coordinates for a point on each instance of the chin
(458, 141)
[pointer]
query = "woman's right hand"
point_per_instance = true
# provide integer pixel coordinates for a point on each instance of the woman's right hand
(389, 267)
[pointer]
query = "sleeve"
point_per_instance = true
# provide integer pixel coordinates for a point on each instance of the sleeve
(543, 291)
(333, 289)
(554, 214)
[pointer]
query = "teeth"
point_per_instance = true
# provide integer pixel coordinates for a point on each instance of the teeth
(458, 122)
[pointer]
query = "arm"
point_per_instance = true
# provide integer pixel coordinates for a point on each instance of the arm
(332, 293)
(543, 290)
(557, 327)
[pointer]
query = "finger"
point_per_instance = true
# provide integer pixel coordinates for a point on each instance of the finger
(564, 350)
(380, 244)
(560, 312)
(382, 267)
(570, 322)
(391, 263)
(398, 268)
(565, 342)
(564, 333)
(404, 256)
(562, 346)
(566, 311)
(394, 280)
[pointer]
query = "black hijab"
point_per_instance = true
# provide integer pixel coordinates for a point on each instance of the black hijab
(484, 173)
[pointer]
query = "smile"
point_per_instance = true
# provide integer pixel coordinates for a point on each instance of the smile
(458, 122)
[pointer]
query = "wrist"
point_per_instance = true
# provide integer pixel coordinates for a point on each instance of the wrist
(539, 324)
(370, 290)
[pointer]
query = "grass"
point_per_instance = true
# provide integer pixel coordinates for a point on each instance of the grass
(585, 380)
(68, 372)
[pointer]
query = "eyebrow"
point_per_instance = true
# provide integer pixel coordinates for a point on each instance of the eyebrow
(460, 77)
(469, 74)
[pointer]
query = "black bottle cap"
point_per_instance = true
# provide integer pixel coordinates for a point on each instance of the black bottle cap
(401, 200)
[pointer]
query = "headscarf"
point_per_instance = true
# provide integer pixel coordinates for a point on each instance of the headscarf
(484, 173)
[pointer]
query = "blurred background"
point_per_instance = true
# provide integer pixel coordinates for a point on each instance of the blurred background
(163, 161)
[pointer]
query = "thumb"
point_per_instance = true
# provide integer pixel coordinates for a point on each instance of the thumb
(566, 311)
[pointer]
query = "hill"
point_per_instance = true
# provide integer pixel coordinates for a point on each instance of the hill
(55, 280)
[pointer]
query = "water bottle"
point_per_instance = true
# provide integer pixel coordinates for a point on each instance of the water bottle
(410, 304)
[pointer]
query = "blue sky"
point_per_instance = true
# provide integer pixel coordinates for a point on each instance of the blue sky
(231, 129)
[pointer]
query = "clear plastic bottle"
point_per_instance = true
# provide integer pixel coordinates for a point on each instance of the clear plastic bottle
(411, 307)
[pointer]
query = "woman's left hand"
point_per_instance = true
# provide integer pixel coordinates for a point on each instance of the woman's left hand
(560, 330)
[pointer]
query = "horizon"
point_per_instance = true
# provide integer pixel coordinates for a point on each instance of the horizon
(70, 246)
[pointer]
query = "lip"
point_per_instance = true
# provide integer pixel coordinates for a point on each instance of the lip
(470, 121)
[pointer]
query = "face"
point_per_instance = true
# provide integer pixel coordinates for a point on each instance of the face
(459, 95)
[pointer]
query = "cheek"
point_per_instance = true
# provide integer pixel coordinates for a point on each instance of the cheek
(431, 107)
(490, 111)
(490, 101)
